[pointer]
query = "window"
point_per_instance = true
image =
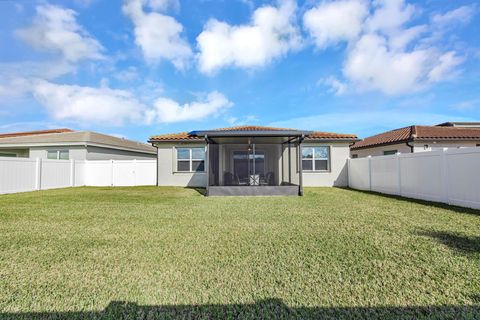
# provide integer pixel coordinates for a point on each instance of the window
(191, 159)
(58, 154)
(315, 158)
(354, 156)
(389, 152)
(10, 155)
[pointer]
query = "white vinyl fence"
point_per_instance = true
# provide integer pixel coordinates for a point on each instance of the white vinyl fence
(23, 174)
(450, 176)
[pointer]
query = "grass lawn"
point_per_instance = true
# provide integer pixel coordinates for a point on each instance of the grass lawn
(148, 252)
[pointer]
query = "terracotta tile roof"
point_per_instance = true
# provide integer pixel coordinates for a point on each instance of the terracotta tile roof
(185, 136)
(421, 133)
(32, 133)
(330, 135)
(182, 136)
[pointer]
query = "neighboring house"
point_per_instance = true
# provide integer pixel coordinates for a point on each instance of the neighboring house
(68, 144)
(253, 160)
(418, 139)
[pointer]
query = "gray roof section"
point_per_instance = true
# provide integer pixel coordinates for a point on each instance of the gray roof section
(86, 138)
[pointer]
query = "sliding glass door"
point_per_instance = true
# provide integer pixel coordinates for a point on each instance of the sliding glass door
(249, 166)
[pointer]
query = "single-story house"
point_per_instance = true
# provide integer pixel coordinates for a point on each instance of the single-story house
(253, 160)
(419, 139)
(68, 144)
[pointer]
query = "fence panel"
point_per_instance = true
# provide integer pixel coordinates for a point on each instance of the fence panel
(17, 175)
(20, 175)
(463, 177)
(55, 174)
(451, 176)
(384, 176)
(421, 175)
(358, 174)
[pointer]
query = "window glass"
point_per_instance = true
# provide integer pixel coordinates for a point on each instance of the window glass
(321, 165)
(198, 165)
(52, 154)
(307, 153)
(354, 156)
(307, 164)
(64, 154)
(198, 153)
(183, 153)
(321, 153)
(183, 166)
(389, 152)
(11, 155)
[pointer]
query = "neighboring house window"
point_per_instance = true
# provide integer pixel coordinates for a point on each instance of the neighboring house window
(10, 155)
(58, 154)
(478, 144)
(191, 159)
(389, 152)
(316, 158)
(354, 156)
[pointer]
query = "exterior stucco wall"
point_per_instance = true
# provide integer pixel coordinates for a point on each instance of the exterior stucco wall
(337, 176)
(378, 151)
(75, 152)
(419, 146)
(167, 168)
(98, 153)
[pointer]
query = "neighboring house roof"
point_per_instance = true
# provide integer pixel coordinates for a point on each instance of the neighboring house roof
(460, 124)
(69, 138)
(31, 133)
(250, 130)
(420, 133)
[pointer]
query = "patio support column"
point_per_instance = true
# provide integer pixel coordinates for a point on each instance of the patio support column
(300, 166)
(289, 162)
(207, 165)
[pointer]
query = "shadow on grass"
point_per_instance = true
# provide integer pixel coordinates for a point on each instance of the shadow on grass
(418, 201)
(264, 309)
(457, 242)
(200, 191)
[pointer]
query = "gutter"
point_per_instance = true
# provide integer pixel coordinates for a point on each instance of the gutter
(409, 145)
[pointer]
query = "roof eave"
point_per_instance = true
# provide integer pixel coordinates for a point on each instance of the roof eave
(250, 133)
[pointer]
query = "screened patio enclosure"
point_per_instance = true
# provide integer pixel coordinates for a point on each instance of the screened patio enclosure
(253, 163)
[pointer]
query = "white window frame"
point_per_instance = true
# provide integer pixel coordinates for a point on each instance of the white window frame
(313, 158)
(58, 154)
(190, 159)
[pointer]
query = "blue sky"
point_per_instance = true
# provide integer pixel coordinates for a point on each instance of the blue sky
(137, 68)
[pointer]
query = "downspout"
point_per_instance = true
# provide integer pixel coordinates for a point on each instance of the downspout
(207, 164)
(300, 178)
(409, 145)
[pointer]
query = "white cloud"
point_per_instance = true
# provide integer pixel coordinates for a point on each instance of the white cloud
(103, 105)
(88, 104)
(335, 86)
(382, 53)
(460, 15)
(167, 110)
(158, 35)
(55, 29)
(331, 22)
(270, 34)
(389, 15)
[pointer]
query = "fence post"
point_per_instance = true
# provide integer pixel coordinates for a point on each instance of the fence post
(112, 173)
(348, 173)
(72, 173)
(445, 182)
(135, 172)
(399, 174)
(38, 174)
(370, 173)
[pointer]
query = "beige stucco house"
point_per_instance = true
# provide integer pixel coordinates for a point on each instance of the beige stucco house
(75, 145)
(253, 160)
(419, 139)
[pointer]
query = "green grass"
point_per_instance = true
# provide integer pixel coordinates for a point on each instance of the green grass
(147, 252)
